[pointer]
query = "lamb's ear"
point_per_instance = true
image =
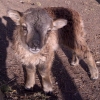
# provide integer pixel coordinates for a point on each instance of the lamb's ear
(15, 16)
(57, 24)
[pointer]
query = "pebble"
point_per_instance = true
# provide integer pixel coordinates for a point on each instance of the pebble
(38, 3)
(21, 1)
(97, 62)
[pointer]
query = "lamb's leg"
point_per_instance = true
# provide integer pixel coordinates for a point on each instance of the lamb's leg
(30, 81)
(45, 71)
(92, 65)
(75, 60)
(85, 52)
(46, 79)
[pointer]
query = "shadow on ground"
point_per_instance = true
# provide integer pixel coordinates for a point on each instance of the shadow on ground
(98, 1)
(66, 85)
(82, 62)
(3, 53)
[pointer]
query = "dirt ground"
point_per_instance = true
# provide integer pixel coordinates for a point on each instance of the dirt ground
(69, 83)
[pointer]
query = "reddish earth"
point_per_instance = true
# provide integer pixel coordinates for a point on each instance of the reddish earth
(70, 83)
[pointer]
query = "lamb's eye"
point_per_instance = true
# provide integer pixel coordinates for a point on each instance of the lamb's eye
(24, 29)
(24, 26)
(49, 29)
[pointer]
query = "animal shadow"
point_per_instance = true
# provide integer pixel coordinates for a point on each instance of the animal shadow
(82, 63)
(66, 85)
(98, 1)
(3, 53)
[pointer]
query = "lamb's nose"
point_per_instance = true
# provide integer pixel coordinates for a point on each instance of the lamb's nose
(36, 43)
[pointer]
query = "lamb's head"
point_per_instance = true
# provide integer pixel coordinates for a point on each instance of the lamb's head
(36, 25)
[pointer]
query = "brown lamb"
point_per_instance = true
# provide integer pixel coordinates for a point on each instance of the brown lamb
(38, 34)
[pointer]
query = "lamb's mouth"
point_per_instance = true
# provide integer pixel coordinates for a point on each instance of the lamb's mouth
(34, 50)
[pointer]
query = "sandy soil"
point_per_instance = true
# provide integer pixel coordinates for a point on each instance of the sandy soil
(70, 83)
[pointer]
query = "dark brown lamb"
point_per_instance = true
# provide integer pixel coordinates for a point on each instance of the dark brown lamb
(38, 34)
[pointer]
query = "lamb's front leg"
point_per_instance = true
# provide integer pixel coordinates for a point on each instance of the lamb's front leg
(30, 80)
(45, 70)
(46, 79)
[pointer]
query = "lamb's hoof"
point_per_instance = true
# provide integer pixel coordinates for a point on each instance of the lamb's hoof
(28, 89)
(95, 74)
(47, 88)
(49, 93)
(75, 62)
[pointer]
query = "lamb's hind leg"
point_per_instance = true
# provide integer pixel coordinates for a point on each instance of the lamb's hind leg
(92, 65)
(85, 52)
(30, 81)
(75, 59)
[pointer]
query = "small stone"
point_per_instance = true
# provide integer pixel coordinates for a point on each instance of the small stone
(38, 3)
(97, 62)
(21, 1)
